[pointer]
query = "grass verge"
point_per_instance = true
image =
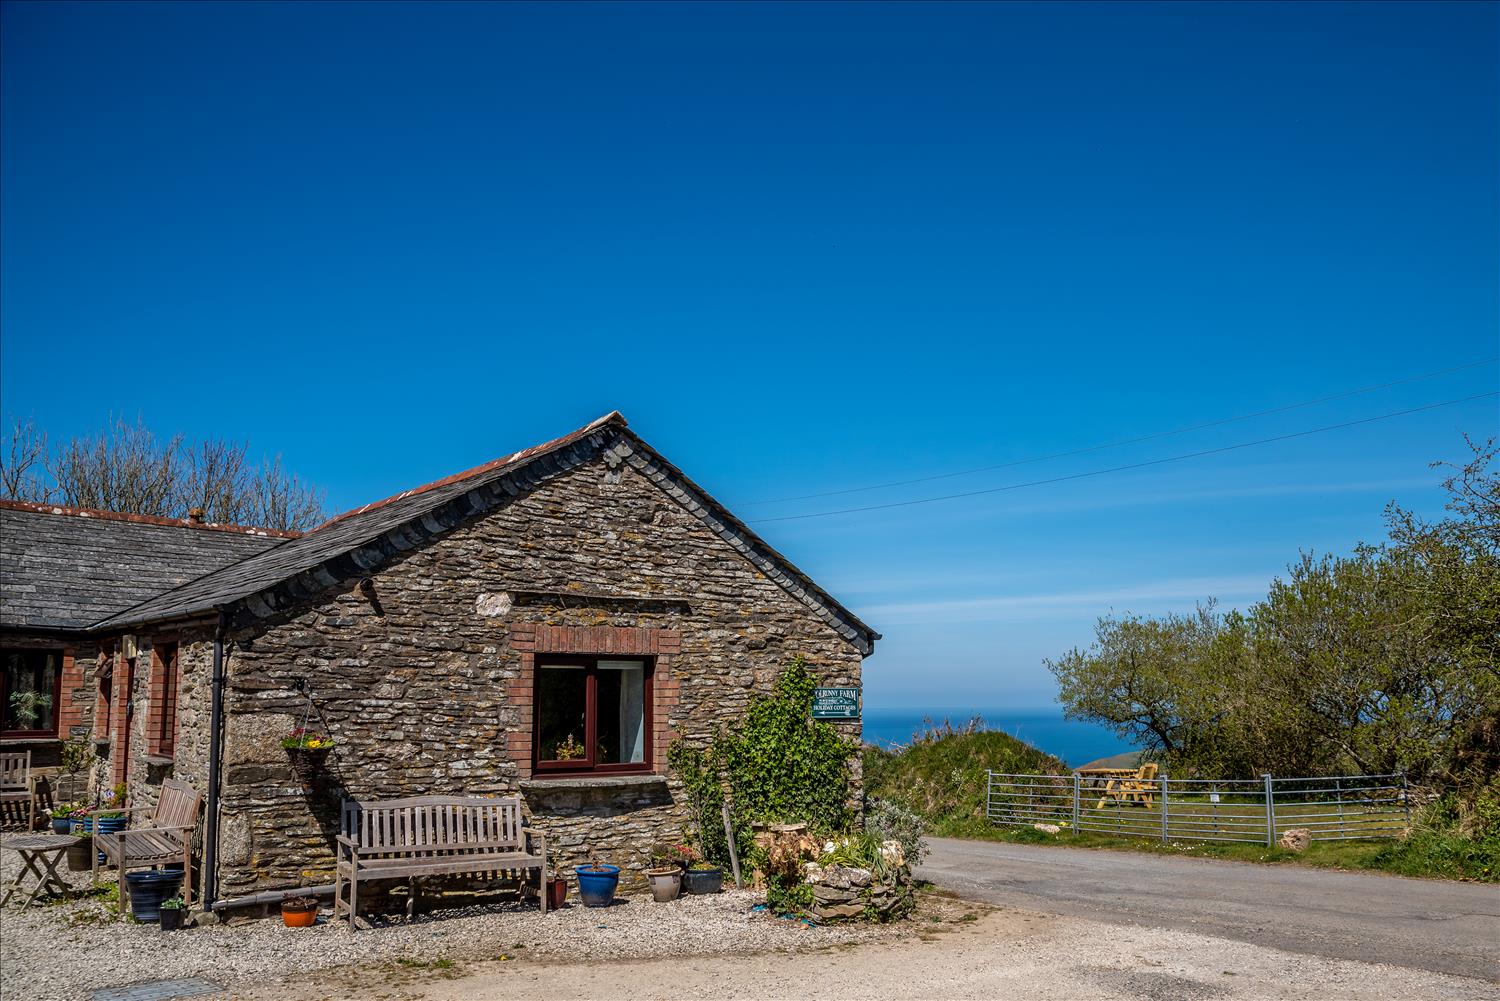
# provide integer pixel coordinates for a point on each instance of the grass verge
(1424, 854)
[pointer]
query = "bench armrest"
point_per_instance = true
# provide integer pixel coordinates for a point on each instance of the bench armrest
(135, 831)
(532, 834)
(117, 809)
(347, 842)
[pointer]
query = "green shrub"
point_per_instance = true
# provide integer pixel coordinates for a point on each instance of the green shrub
(942, 777)
(782, 765)
(778, 764)
(889, 821)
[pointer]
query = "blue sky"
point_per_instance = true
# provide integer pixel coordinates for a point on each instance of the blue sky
(802, 248)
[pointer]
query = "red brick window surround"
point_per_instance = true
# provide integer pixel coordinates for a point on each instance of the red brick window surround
(121, 683)
(161, 714)
(103, 696)
(585, 647)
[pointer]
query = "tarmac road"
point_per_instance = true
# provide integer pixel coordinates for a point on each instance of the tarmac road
(1435, 925)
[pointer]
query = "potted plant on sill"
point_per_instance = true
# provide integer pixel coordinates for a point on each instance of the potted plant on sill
(308, 750)
(299, 912)
(172, 912)
(597, 883)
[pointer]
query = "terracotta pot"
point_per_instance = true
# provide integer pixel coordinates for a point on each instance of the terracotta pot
(557, 894)
(666, 883)
(299, 917)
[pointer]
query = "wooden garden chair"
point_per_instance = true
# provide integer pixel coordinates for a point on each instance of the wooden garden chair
(18, 785)
(166, 839)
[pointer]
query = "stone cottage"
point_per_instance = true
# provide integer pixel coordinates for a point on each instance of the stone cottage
(542, 625)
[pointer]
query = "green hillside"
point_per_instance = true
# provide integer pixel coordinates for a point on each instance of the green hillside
(942, 775)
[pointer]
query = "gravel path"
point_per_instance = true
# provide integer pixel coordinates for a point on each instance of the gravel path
(1004, 955)
(65, 950)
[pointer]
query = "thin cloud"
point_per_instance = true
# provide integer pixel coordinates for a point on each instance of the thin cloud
(1158, 596)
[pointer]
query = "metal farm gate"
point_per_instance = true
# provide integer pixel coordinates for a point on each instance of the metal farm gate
(1256, 811)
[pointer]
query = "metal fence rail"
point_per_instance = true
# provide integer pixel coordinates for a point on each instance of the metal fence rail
(1257, 811)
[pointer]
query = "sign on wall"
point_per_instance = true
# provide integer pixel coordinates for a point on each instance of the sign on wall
(835, 703)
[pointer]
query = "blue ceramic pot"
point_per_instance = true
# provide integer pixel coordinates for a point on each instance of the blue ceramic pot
(61, 825)
(596, 884)
(703, 880)
(149, 888)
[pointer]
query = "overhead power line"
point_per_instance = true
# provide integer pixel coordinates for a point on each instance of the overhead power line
(1127, 441)
(1133, 465)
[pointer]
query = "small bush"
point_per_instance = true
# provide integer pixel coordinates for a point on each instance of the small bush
(889, 821)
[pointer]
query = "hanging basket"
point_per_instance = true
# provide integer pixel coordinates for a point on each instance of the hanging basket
(308, 762)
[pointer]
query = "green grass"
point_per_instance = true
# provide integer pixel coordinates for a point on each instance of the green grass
(1424, 854)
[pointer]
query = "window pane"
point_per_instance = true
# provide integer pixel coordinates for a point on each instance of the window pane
(30, 683)
(561, 702)
(622, 712)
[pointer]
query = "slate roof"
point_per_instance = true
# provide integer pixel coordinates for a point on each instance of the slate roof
(357, 541)
(65, 568)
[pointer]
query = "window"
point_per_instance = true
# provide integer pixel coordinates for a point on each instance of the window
(592, 715)
(30, 691)
(161, 738)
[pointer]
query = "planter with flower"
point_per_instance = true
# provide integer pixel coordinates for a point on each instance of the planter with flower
(308, 751)
(665, 874)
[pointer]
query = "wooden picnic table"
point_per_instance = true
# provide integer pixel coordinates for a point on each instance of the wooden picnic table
(1123, 785)
(41, 853)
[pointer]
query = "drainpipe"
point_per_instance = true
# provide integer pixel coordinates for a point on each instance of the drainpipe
(215, 764)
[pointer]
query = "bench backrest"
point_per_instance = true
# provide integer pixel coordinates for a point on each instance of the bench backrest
(177, 806)
(15, 771)
(1147, 772)
(434, 823)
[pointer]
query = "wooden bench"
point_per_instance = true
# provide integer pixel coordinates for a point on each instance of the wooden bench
(18, 786)
(166, 838)
(432, 836)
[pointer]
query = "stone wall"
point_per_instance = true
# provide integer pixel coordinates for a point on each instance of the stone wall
(419, 677)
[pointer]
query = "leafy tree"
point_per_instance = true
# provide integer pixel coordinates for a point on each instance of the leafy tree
(1379, 661)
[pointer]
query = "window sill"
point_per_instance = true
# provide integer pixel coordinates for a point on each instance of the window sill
(591, 782)
(10, 740)
(158, 760)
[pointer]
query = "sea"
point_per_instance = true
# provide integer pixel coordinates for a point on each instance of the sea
(1075, 742)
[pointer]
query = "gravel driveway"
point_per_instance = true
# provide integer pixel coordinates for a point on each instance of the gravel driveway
(64, 951)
